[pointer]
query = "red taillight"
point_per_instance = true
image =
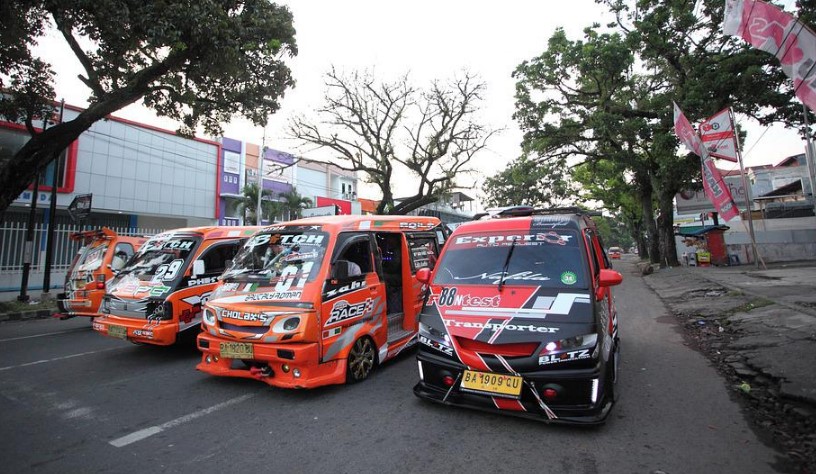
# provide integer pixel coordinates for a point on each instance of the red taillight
(549, 394)
(448, 380)
(100, 282)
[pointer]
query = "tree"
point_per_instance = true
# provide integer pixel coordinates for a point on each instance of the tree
(293, 203)
(608, 98)
(270, 208)
(526, 183)
(390, 130)
(197, 62)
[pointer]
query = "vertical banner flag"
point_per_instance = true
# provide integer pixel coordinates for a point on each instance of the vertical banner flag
(774, 31)
(717, 133)
(713, 184)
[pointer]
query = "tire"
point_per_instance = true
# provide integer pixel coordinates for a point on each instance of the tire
(612, 373)
(361, 360)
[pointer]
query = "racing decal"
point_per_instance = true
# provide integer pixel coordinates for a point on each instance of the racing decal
(202, 281)
(244, 316)
(286, 239)
(343, 311)
(449, 297)
(570, 356)
(561, 304)
(416, 225)
(436, 345)
(497, 276)
(500, 326)
(159, 290)
(333, 292)
(273, 295)
(146, 333)
(168, 271)
(518, 240)
(197, 299)
(550, 222)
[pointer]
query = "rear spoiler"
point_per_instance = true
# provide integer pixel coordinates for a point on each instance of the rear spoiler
(90, 235)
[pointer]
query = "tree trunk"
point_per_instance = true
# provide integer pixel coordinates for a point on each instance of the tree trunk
(668, 249)
(651, 229)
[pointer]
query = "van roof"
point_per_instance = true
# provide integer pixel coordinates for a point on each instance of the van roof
(215, 232)
(367, 222)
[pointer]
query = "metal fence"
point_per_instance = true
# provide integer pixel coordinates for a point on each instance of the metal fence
(13, 244)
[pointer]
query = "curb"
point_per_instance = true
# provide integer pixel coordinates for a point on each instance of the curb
(24, 315)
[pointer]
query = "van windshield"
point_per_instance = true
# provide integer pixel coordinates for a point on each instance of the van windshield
(161, 259)
(551, 259)
(269, 256)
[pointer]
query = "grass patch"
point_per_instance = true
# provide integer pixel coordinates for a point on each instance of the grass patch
(751, 305)
(18, 306)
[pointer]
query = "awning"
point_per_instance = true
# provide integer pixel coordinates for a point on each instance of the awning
(698, 230)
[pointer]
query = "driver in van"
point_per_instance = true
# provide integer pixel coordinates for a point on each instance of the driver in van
(119, 260)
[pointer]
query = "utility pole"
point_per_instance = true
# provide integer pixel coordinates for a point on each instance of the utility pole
(809, 158)
(52, 214)
(28, 250)
(260, 176)
(748, 195)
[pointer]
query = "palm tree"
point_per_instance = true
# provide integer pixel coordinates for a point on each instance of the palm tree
(294, 203)
(270, 208)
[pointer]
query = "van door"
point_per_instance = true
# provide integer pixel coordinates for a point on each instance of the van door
(423, 250)
(353, 294)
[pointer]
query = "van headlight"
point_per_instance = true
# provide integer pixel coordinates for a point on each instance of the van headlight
(208, 316)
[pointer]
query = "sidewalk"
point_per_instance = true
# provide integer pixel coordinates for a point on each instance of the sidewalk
(759, 327)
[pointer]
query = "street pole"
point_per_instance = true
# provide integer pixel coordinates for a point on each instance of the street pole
(28, 250)
(809, 157)
(260, 177)
(52, 215)
(748, 195)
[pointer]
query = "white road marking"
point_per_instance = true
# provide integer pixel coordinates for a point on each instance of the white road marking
(148, 432)
(37, 362)
(42, 335)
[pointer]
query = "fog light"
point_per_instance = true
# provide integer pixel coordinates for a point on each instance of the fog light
(285, 368)
(550, 394)
(594, 395)
(296, 373)
(421, 375)
(208, 359)
(448, 380)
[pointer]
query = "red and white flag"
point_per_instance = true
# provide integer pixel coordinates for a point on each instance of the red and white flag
(774, 31)
(717, 133)
(713, 184)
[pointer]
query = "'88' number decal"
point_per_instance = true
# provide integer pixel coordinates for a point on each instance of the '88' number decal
(447, 297)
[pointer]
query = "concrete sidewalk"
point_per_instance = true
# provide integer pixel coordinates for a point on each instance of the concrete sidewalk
(759, 327)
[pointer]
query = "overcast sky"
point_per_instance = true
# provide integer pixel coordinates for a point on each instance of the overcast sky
(429, 40)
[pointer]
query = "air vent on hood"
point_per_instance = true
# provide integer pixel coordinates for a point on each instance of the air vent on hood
(516, 349)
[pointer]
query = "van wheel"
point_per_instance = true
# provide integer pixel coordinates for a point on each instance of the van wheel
(361, 360)
(612, 372)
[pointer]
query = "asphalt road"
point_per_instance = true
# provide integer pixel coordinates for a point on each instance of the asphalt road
(74, 401)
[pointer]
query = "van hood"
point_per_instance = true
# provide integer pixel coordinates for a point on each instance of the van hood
(517, 314)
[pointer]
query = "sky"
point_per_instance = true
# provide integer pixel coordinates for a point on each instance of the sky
(428, 40)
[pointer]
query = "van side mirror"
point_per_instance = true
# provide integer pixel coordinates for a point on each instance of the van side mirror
(610, 278)
(423, 275)
(198, 268)
(340, 270)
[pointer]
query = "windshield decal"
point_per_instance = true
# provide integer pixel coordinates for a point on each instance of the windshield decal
(539, 238)
(569, 278)
(503, 326)
(550, 221)
(525, 276)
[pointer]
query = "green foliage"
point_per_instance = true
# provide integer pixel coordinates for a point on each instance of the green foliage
(270, 208)
(293, 203)
(199, 62)
(527, 183)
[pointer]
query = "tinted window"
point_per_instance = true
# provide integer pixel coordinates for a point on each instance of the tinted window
(215, 259)
(552, 259)
(359, 253)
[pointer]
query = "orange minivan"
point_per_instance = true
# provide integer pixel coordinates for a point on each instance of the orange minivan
(159, 293)
(319, 301)
(102, 254)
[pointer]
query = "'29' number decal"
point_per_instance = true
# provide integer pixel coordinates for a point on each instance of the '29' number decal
(169, 271)
(446, 297)
(288, 274)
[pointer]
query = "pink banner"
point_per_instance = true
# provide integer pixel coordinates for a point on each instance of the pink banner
(774, 31)
(713, 184)
(717, 133)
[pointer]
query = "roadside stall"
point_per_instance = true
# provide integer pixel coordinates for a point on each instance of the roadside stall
(708, 242)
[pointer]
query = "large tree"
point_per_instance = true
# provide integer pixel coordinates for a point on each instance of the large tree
(197, 62)
(608, 97)
(391, 131)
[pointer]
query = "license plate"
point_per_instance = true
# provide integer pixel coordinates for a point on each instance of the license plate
(493, 384)
(117, 331)
(236, 350)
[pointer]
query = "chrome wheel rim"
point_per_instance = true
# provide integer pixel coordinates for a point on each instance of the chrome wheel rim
(361, 359)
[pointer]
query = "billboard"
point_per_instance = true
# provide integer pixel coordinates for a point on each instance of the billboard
(694, 201)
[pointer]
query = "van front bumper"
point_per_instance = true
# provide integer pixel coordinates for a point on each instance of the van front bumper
(141, 331)
(285, 365)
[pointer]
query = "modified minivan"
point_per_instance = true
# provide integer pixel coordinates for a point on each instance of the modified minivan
(101, 255)
(159, 293)
(319, 301)
(520, 319)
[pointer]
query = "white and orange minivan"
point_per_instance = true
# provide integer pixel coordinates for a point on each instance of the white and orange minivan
(319, 301)
(159, 293)
(103, 253)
